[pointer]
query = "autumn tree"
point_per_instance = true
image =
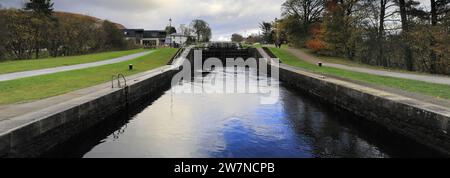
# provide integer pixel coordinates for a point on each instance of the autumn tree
(408, 34)
(3, 35)
(113, 36)
(42, 12)
(18, 34)
(61, 34)
(341, 27)
(53, 44)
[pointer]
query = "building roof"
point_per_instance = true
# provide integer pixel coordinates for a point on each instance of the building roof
(223, 45)
(155, 34)
(144, 33)
(132, 32)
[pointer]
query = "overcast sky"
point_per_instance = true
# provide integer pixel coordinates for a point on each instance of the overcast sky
(224, 16)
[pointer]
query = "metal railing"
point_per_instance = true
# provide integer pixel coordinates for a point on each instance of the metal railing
(119, 84)
(176, 55)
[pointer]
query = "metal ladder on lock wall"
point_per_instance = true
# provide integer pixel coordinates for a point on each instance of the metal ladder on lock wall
(119, 84)
(123, 86)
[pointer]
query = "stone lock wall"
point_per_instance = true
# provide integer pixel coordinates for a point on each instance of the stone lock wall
(428, 125)
(43, 134)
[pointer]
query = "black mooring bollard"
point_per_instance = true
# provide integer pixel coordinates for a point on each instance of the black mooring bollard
(130, 67)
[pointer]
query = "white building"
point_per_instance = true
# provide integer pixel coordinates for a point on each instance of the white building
(177, 39)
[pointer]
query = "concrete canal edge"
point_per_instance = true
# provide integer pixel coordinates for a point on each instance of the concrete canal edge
(51, 127)
(426, 123)
(35, 133)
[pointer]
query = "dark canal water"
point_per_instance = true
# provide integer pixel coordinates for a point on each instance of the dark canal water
(205, 125)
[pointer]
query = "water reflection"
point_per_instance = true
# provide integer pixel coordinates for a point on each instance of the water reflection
(205, 125)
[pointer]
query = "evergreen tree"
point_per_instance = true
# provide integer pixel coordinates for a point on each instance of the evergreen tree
(408, 11)
(267, 32)
(170, 30)
(42, 7)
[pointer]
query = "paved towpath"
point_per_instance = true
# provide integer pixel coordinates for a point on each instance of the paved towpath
(417, 96)
(31, 73)
(438, 79)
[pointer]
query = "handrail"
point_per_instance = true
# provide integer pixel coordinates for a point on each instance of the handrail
(177, 54)
(119, 84)
(124, 79)
(112, 80)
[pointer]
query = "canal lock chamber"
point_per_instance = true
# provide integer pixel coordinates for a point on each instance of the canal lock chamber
(171, 124)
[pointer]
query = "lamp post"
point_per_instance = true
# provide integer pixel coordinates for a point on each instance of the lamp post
(276, 32)
(170, 31)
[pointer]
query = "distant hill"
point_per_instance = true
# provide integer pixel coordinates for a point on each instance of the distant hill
(75, 15)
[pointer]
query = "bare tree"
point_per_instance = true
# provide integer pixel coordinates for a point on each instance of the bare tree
(384, 7)
(308, 11)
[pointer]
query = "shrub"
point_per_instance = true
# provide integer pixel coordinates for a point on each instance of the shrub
(316, 45)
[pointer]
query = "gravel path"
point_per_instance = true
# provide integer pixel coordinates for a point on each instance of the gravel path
(31, 73)
(438, 79)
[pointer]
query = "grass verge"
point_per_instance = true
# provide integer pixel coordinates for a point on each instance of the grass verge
(435, 90)
(257, 45)
(35, 64)
(39, 87)
(343, 61)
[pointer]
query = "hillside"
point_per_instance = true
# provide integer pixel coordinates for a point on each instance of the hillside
(69, 15)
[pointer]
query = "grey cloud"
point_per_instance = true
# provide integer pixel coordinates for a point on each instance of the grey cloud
(224, 16)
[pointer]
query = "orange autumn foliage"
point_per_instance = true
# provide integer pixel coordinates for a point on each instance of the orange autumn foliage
(316, 45)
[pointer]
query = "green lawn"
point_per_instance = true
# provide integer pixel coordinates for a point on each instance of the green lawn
(257, 45)
(39, 87)
(436, 90)
(341, 60)
(34, 64)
